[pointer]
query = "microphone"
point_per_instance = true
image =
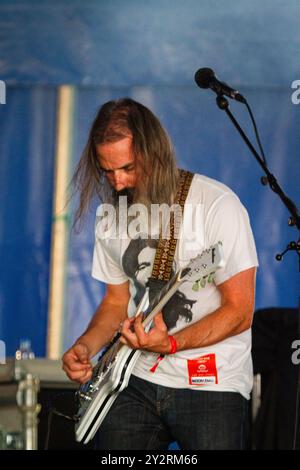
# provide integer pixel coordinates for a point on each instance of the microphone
(205, 78)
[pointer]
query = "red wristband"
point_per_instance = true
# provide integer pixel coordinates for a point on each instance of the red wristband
(161, 356)
(173, 345)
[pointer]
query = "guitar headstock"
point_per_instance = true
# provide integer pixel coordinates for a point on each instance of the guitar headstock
(202, 268)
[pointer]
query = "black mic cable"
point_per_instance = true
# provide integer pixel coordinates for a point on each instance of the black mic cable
(206, 78)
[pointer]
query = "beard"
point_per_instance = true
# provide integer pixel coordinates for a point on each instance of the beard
(128, 192)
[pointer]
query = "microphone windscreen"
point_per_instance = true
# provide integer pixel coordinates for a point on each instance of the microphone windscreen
(203, 77)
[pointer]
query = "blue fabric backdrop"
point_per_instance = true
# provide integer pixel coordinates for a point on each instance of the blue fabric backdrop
(27, 129)
(148, 50)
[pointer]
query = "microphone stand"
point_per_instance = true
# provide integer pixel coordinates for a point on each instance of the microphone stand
(223, 104)
(294, 220)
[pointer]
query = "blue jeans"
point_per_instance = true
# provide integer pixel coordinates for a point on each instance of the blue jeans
(147, 416)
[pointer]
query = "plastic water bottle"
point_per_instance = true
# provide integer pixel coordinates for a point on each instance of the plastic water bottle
(25, 351)
(22, 353)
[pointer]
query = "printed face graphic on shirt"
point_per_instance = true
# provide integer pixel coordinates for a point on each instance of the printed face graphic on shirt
(137, 261)
(144, 268)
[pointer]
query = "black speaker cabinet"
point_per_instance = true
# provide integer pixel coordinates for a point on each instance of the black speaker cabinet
(277, 424)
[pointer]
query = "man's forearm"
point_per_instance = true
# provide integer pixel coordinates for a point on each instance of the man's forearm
(213, 328)
(232, 318)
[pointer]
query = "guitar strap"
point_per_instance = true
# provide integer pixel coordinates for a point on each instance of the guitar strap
(164, 256)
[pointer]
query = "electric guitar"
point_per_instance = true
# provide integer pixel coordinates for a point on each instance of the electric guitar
(113, 369)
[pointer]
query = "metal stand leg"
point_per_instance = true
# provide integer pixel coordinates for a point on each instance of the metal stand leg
(27, 401)
(256, 396)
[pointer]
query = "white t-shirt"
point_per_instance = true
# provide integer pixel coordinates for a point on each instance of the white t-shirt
(212, 213)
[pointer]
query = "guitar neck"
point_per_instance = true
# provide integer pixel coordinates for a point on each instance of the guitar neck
(160, 300)
(168, 290)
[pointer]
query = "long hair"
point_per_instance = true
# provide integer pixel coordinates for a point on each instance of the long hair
(157, 173)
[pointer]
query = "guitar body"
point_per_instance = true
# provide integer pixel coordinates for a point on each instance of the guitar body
(109, 390)
(112, 372)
